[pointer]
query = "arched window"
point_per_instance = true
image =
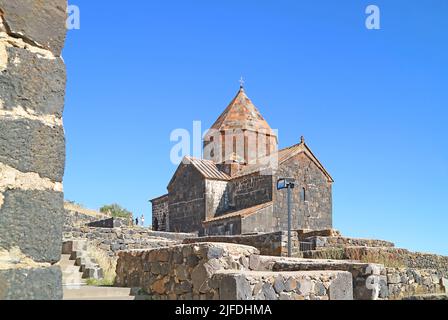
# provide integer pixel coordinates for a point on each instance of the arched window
(303, 195)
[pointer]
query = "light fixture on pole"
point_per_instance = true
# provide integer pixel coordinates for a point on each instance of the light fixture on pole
(287, 183)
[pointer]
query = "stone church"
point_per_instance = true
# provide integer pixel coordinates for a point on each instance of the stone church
(233, 189)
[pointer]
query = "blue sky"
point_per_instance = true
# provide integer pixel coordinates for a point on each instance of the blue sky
(372, 104)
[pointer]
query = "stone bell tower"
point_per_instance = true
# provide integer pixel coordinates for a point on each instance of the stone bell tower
(240, 136)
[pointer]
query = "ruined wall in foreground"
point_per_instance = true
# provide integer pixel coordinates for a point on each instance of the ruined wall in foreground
(221, 271)
(32, 147)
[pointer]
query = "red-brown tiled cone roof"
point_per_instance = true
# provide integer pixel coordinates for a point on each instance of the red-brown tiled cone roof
(242, 114)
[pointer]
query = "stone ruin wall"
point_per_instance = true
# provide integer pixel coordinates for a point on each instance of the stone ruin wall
(112, 235)
(218, 271)
(269, 244)
(32, 147)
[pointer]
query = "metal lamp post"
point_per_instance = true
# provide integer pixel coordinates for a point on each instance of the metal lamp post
(288, 183)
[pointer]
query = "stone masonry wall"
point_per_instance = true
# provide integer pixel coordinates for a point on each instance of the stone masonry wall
(32, 147)
(341, 242)
(216, 271)
(315, 211)
(248, 191)
(186, 200)
(269, 244)
(370, 281)
(113, 240)
(160, 213)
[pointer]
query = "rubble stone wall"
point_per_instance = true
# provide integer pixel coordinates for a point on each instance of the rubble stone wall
(217, 271)
(341, 242)
(113, 240)
(32, 146)
(269, 244)
(407, 282)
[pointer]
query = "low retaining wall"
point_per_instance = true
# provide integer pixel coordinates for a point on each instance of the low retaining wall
(276, 243)
(269, 244)
(407, 282)
(258, 285)
(117, 239)
(390, 257)
(341, 242)
(109, 223)
(221, 271)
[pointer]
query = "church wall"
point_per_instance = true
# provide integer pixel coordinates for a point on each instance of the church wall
(249, 191)
(160, 213)
(315, 212)
(186, 201)
(217, 197)
(227, 227)
(262, 221)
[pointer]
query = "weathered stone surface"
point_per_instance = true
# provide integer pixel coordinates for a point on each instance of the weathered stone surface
(342, 287)
(32, 82)
(32, 220)
(394, 278)
(31, 146)
(31, 284)
(269, 292)
(40, 22)
(279, 284)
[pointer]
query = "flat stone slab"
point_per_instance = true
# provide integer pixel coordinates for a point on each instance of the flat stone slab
(299, 285)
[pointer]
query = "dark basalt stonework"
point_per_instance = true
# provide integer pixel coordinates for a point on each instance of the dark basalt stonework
(31, 146)
(32, 85)
(31, 284)
(35, 83)
(41, 22)
(32, 221)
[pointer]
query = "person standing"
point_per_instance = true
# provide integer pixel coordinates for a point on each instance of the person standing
(136, 222)
(142, 219)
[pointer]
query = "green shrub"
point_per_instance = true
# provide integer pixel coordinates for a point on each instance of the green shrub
(116, 211)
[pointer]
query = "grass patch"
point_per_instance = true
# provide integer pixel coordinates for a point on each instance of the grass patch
(107, 263)
(388, 259)
(100, 283)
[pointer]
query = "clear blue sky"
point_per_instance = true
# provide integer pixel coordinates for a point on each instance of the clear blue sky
(371, 104)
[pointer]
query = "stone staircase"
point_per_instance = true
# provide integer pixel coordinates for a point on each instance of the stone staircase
(77, 267)
(76, 250)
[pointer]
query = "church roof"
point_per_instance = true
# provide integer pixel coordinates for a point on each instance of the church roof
(241, 114)
(207, 168)
(283, 156)
(241, 213)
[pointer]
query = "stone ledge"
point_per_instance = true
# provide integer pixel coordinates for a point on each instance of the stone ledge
(303, 285)
(39, 22)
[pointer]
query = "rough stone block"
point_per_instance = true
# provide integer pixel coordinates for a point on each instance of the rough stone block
(32, 221)
(34, 83)
(74, 245)
(42, 22)
(342, 287)
(31, 146)
(31, 284)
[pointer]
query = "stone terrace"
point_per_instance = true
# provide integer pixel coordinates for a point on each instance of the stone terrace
(217, 271)
(229, 271)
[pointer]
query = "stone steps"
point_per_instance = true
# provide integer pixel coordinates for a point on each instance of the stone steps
(71, 276)
(97, 293)
(77, 251)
